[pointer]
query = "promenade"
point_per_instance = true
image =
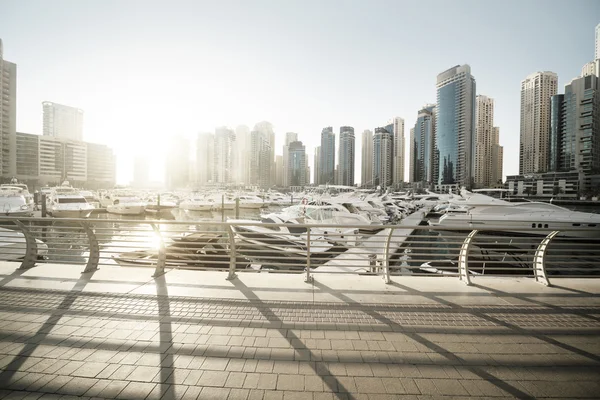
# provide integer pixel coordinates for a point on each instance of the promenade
(120, 333)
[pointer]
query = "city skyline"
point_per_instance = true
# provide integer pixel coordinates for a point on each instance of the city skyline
(121, 70)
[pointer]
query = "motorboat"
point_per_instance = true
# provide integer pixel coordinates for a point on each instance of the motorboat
(275, 243)
(251, 202)
(526, 219)
(125, 202)
(21, 187)
(91, 198)
(195, 250)
(197, 202)
(324, 212)
(14, 204)
(13, 246)
(222, 202)
(67, 202)
(161, 202)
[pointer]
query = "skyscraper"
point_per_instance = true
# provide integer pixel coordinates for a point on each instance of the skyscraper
(455, 125)
(297, 164)
(597, 41)
(205, 158)
(61, 121)
(267, 132)
(398, 132)
(327, 164)
(422, 152)
(487, 140)
(536, 91)
(575, 126)
(289, 138)
(317, 163)
(383, 157)
(224, 138)
(260, 159)
(346, 156)
(366, 160)
(8, 117)
(240, 164)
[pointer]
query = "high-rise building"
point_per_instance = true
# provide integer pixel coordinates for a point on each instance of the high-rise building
(317, 163)
(536, 92)
(205, 158)
(260, 158)
(289, 138)
(575, 126)
(27, 157)
(62, 121)
(177, 163)
(455, 138)
(383, 157)
(423, 160)
(266, 129)
(8, 117)
(240, 164)
(497, 158)
(346, 156)
(101, 167)
(297, 164)
(327, 164)
(366, 159)
(279, 167)
(397, 124)
(487, 142)
(224, 138)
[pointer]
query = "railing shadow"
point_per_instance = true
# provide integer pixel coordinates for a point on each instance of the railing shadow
(334, 385)
(13, 367)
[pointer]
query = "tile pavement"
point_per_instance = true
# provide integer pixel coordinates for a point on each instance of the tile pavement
(529, 343)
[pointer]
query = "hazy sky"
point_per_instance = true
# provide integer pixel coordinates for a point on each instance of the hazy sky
(146, 70)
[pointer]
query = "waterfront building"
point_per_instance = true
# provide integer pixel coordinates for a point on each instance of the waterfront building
(383, 157)
(205, 158)
(317, 162)
(101, 167)
(297, 164)
(268, 134)
(327, 164)
(346, 156)
(8, 117)
(423, 160)
(62, 121)
(397, 128)
(597, 42)
(177, 175)
(366, 160)
(536, 92)
(260, 158)
(289, 138)
(455, 137)
(279, 168)
(487, 147)
(575, 127)
(27, 155)
(240, 164)
(224, 138)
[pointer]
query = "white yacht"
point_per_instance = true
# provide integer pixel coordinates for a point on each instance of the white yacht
(530, 219)
(251, 202)
(125, 202)
(197, 202)
(14, 204)
(66, 202)
(20, 187)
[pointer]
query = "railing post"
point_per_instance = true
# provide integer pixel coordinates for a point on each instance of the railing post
(94, 257)
(539, 260)
(463, 259)
(386, 259)
(232, 254)
(30, 247)
(162, 256)
(308, 278)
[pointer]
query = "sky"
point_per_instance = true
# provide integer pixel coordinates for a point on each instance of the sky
(144, 71)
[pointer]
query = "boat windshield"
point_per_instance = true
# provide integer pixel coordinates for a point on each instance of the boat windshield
(72, 200)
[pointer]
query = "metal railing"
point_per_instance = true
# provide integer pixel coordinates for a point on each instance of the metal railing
(306, 249)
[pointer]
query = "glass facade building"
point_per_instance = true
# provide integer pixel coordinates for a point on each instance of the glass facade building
(327, 164)
(423, 159)
(383, 153)
(455, 140)
(556, 132)
(346, 157)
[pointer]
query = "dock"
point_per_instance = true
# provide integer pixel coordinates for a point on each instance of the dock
(359, 257)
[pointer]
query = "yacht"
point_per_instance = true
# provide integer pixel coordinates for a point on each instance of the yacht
(14, 204)
(527, 219)
(67, 202)
(22, 188)
(197, 202)
(252, 202)
(285, 245)
(160, 202)
(125, 202)
(91, 197)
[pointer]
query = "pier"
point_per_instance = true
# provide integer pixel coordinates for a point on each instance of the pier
(119, 333)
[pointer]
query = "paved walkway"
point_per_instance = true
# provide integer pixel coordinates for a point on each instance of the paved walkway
(119, 333)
